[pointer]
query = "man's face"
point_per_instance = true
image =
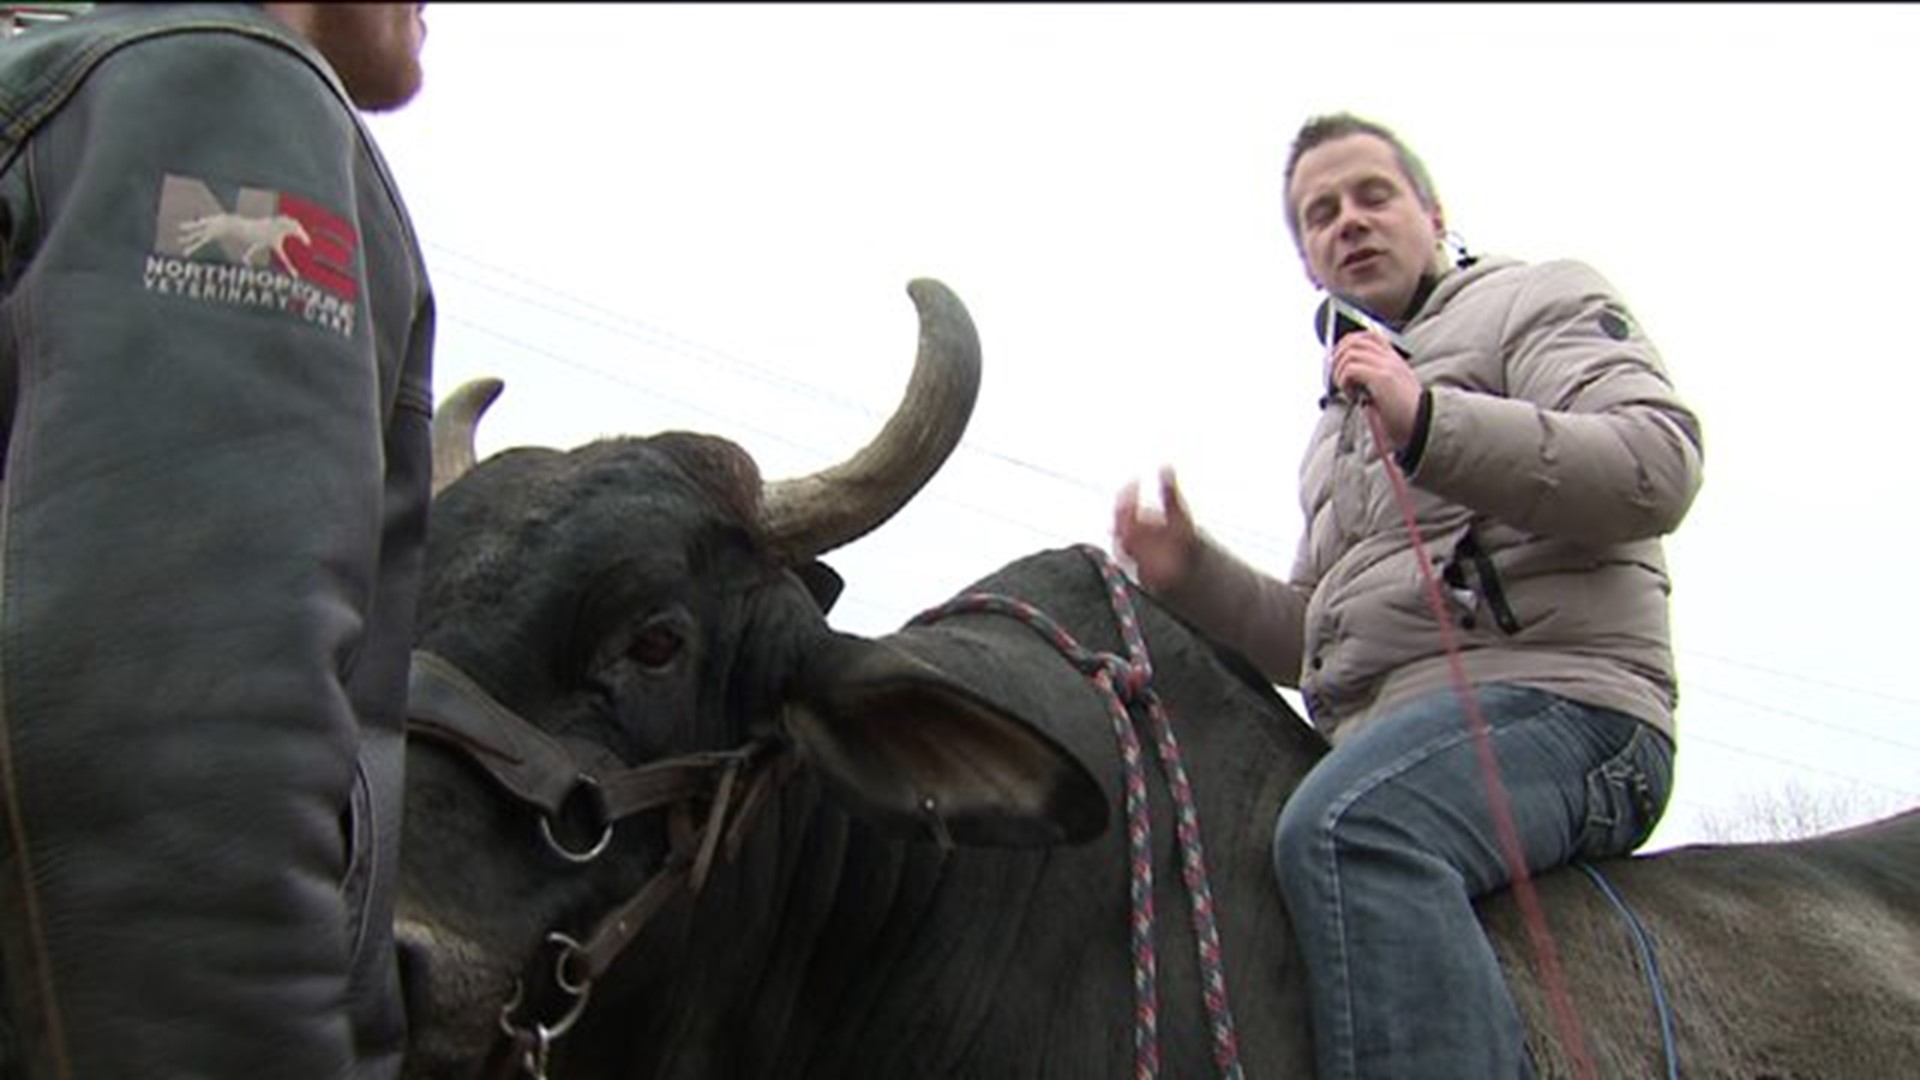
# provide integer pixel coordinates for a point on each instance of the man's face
(375, 48)
(1363, 231)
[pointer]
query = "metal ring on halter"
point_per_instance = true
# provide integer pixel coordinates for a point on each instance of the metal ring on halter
(591, 786)
(534, 1062)
(577, 990)
(569, 949)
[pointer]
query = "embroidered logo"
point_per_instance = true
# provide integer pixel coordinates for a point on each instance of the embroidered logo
(268, 250)
(258, 234)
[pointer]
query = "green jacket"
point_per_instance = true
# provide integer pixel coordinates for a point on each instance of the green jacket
(1556, 456)
(215, 393)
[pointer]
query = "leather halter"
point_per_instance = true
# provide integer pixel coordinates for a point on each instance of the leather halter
(447, 706)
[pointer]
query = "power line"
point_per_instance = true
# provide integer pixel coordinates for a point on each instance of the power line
(1801, 766)
(653, 392)
(1797, 677)
(605, 318)
(1805, 719)
(648, 391)
(1248, 538)
(549, 354)
(666, 341)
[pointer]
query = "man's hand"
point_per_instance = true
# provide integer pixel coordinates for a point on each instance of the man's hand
(1367, 363)
(1162, 543)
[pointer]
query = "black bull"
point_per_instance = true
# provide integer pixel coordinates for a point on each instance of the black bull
(638, 602)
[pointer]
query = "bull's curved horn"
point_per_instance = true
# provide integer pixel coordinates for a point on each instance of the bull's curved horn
(454, 423)
(805, 516)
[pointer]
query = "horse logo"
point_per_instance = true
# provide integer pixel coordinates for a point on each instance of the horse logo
(254, 236)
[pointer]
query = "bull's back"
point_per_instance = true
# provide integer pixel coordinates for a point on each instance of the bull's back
(1793, 959)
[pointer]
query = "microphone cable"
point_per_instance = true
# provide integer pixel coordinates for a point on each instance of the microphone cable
(1332, 325)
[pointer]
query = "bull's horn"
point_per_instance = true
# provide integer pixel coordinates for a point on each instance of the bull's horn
(454, 423)
(808, 515)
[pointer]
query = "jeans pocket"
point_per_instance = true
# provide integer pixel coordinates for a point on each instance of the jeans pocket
(1626, 795)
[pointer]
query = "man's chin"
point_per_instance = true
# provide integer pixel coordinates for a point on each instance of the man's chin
(1370, 301)
(1380, 298)
(388, 92)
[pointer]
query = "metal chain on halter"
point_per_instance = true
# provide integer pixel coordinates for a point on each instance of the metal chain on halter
(1124, 680)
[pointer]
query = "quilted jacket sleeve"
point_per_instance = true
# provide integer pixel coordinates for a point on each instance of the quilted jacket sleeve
(1590, 444)
(1256, 614)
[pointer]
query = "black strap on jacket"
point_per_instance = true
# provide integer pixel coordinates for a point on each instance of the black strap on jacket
(1469, 551)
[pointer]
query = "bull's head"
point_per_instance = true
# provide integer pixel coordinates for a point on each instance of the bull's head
(623, 650)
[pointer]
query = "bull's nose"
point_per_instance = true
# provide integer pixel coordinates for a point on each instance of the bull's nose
(453, 993)
(415, 959)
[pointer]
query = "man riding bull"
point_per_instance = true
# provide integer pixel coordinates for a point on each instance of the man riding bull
(1547, 453)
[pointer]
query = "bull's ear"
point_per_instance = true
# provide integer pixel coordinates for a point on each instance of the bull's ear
(913, 750)
(822, 582)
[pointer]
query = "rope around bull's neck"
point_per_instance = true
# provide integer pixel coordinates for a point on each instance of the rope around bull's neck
(1121, 680)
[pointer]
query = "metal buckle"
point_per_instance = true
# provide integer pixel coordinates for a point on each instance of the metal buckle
(587, 784)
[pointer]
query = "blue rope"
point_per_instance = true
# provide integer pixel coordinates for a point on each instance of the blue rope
(1643, 944)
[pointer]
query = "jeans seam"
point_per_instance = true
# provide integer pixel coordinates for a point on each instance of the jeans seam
(1328, 823)
(1336, 915)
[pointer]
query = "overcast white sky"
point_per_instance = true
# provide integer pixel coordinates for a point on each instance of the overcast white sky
(656, 216)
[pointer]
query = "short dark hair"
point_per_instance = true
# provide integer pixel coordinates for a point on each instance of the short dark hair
(1325, 129)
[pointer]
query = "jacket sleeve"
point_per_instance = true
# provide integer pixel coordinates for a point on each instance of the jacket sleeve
(1590, 444)
(192, 523)
(1256, 614)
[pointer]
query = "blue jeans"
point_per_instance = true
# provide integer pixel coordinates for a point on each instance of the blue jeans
(1384, 845)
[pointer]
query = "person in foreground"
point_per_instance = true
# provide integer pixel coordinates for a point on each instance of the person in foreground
(1547, 454)
(215, 390)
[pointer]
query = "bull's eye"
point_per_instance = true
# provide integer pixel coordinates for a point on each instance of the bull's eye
(655, 646)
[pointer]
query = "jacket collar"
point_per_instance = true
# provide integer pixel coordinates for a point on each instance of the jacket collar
(1437, 290)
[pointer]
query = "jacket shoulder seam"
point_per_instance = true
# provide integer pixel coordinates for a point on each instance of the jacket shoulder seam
(53, 90)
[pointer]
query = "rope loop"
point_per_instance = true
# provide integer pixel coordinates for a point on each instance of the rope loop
(1123, 682)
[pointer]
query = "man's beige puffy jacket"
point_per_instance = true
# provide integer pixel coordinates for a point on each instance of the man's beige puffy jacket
(1556, 456)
